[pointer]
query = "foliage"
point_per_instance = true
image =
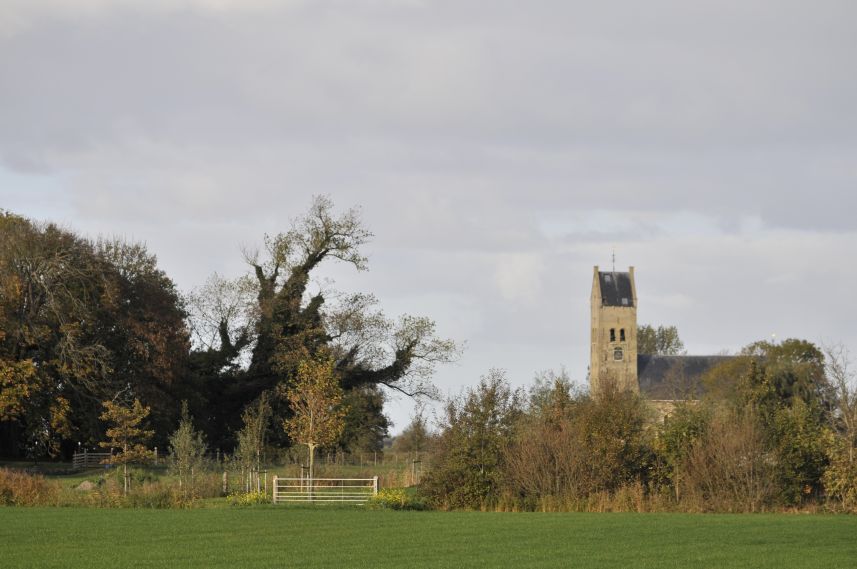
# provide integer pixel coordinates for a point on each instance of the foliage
(680, 432)
(792, 369)
(21, 489)
(245, 348)
(126, 434)
(187, 452)
(416, 437)
(840, 477)
(364, 424)
(569, 447)
(248, 498)
(395, 499)
(316, 401)
(79, 320)
(729, 468)
(158, 495)
(467, 468)
(799, 446)
(660, 341)
(252, 437)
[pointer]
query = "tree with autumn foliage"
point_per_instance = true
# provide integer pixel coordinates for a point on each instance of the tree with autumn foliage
(315, 399)
(79, 320)
(127, 434)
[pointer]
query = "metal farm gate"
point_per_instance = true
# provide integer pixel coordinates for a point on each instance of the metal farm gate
(346, 490)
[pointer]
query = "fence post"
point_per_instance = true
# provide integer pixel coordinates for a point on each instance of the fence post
(374, 485)
(273, 488)
(225, 483)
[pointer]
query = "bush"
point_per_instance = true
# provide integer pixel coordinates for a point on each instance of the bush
(570, 448)
(159, 496)
(468, 467)
(21, 489)
(248, 499)
(395, 499)
(729, 469)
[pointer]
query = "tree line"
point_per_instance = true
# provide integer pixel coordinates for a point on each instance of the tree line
(774, 430)
(84, 321)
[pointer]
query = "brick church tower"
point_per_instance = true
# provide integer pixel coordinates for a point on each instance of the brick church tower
(613, 357)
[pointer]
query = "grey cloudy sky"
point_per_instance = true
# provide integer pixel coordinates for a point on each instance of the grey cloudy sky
(499, 149)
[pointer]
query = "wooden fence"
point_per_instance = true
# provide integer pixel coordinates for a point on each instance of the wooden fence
(347, 490)
(85, 459)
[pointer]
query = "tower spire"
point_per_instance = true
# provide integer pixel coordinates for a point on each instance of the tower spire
(614, 259)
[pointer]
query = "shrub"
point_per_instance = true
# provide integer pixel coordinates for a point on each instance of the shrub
(158, 495)
(248, 499)
(467, 469)
(395, 499)
(729, 468)
(840, 478)
(569, 448)
(21, 489)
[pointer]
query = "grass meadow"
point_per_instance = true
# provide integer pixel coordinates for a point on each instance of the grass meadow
(305, 537)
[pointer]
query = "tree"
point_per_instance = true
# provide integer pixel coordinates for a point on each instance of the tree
(729, 467)
(660, 341)
(315, 399)
(840, 477)
(784, 388)
(794, 368)
(79, 320)
(288, 323)
(680, 432)
(187, 452)
(416, 437)
(251, 439)
(468, 466)
(126, 434)
(365, 425)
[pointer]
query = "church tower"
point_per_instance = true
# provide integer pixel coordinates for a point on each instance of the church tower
(613, 357)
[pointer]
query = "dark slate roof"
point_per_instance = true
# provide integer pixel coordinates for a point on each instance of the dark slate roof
(616, 289)
(674, 377)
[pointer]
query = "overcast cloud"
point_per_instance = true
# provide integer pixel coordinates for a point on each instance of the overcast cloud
(499, 149)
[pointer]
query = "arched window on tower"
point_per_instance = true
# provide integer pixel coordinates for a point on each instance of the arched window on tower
(612, 334)
(622, 335)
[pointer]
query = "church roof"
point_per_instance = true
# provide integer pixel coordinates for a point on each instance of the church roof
(674, 377)
(616, 289)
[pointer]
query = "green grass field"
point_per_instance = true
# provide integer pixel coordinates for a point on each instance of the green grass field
(351, 538)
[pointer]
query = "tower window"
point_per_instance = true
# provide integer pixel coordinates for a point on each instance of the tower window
(612, 334)
(622, 335)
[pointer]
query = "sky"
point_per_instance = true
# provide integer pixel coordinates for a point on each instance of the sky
(498, 149)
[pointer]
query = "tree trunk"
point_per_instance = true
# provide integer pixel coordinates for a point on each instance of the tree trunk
(311, 463)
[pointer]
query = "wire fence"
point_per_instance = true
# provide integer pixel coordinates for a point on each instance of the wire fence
(394, 469)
